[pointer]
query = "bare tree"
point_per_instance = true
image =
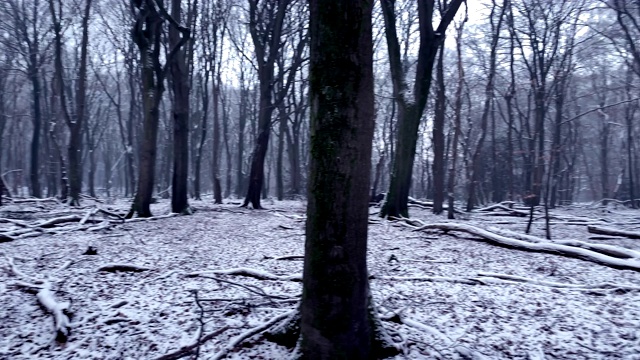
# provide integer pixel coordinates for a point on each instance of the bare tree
(147, 35)
(411, 104)
(75, 121)
(496, 19)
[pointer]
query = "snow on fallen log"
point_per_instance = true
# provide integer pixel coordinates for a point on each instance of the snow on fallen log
(254, 273)
(47, 299)
(548, 247)
(503, 211)
(61, 220)
(123, 267)
(606, 249)
(613, 232)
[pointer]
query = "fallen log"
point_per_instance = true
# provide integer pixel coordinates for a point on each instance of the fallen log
(613, 232)
(122, 267)
(502, 210)
(546, 247)
(46, 298)
(59, 311)
(254, 273)
(606, 249)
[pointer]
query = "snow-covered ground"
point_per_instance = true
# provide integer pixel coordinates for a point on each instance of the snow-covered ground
(441, 296)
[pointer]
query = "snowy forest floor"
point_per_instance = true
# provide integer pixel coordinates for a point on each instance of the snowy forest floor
(440, 295)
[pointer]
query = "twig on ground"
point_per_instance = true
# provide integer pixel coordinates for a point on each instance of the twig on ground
(249, 333)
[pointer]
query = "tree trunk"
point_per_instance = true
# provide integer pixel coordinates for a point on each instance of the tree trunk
(280, 156)
(437, 138)
(451, 177)
(180, 112)
(217, 190)
(410, 110)
(335, 322)
(37, 121)
(242, 122)
(267, 44)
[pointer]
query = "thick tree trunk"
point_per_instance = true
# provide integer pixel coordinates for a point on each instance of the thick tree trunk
(335, 322)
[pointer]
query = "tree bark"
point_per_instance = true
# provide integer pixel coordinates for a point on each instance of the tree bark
(335, 322)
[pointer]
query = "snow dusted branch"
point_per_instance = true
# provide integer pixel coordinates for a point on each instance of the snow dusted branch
(188, 349)
(544, 246)
(249, 333)
(613, 232)
(254, 273)
(58, 310)
(47, 300)
(462, 350)
(520, 279)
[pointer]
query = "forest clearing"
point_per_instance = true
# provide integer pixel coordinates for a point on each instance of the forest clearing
(210, 284)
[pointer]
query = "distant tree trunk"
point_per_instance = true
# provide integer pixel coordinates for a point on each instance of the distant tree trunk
(451, 177)
(147, 35)
(180, 113)
(629, 116)
(267, 43)
(489, 93)
(217, 190)
(242, 122)
(335, 308)
(225, 131)
(438, 138)
(37, 124)
(282, 130)
(410, 110)
(3, 121)
(76, 121)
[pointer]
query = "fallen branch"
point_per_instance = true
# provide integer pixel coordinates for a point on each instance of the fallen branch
(188, 349)
(462, 350)
(491, 210)
(123, 267)
(138, 219)
(61, 220)
(596, 287)
(47, 299)
(613, 232)
(547, 247)
(58, 310)
(249, 333)
(606, 249)
(254, 273)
